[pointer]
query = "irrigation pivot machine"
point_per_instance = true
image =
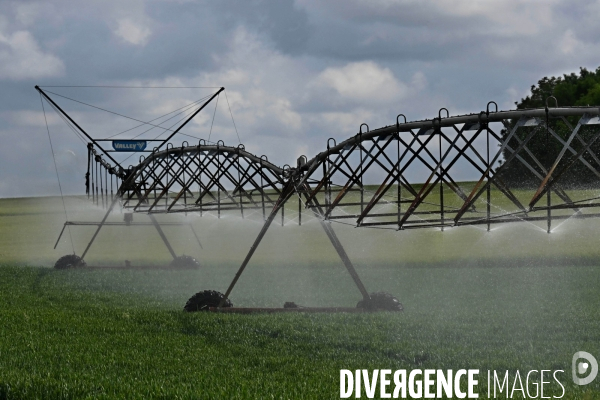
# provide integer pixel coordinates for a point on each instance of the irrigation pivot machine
(366, 181)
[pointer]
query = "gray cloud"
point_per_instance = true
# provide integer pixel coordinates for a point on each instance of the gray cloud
(296, 72)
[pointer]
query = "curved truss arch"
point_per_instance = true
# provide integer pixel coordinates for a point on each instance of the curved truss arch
(443, 148)
(201, 178)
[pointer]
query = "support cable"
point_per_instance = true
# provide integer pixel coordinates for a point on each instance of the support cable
(77, 133)
(162, 116)
(103, 109)
(57, 176)
(213, 118)
(230, 113)
(188, 112)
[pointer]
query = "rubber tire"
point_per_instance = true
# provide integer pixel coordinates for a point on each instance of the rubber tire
(185, 262)
(201, 301)
(69, 261)
(381, 301)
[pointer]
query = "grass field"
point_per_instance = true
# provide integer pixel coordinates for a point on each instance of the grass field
(512, 299)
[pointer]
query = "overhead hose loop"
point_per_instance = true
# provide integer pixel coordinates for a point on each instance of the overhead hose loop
(87, 174)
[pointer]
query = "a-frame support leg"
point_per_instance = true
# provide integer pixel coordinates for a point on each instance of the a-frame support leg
(152, 218)
(326, 225)
(162, 235)
(112, 205)
(286, 193)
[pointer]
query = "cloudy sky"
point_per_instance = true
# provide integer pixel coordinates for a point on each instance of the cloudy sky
(295, 72)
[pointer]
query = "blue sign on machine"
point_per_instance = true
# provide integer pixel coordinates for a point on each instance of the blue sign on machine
(129, 145)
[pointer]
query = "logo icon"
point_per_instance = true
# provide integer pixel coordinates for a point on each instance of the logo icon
(580, 367)
(129, 145)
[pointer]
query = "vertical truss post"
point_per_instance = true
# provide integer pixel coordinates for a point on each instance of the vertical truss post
(92, 178)
(166, 188)
(200, 165)
(262, 189)
(97, 197)
(282, 210)
(87, 174)
(398, 186)
(153, 170)
(488, 166)
(328, 184)
(489, 188)
(106, 185)
(299, 211)
(441, 183)
(240, 183)
(362, 186)
(218, 180)
(441, 169)
(398, 180)
(549, 214)
(184, 187)
(323, 180)
(101, 189)
(550, 167)
(166, 184)
(326, 177)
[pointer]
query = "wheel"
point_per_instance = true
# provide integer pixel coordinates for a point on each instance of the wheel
(185, 262)
(201, 301)
(69, 261)
(381, 301)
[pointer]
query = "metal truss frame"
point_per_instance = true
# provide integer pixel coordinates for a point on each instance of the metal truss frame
(334, 185)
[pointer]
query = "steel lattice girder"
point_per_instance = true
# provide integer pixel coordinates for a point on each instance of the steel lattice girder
(229, 178)
(246, 181)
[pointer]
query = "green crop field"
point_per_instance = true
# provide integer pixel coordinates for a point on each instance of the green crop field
(511, 299)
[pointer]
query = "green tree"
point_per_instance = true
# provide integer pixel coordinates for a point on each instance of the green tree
(581, 89)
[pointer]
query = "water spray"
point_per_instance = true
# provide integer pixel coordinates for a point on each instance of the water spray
(216, 179)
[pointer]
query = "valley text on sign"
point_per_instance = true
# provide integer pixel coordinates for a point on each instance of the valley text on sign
(129, 145)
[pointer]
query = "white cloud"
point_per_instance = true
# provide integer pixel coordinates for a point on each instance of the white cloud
(363, 81)
(569, 43)
(344, 121)
(261, 85)
(21, 58)
(419, 81)
(132, 32)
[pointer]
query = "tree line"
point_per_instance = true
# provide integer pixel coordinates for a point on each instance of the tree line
(581, 89)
